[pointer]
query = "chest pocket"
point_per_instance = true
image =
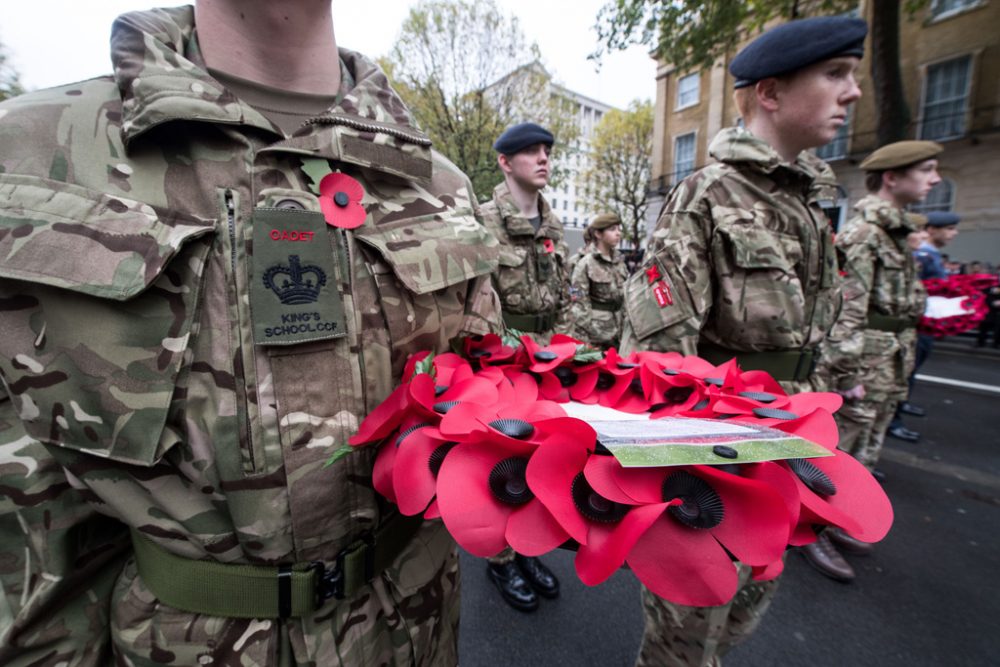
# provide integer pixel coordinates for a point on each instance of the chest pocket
(421, 267)
(603, 286)
(754, 248)
(99, 296)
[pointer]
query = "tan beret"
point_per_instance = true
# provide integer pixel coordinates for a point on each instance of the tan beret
(603, 221)
(916, 220)
(901, 154)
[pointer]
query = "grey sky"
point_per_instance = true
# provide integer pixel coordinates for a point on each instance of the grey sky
(59, 41)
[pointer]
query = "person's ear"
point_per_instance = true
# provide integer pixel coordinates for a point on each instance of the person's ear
(768, 93)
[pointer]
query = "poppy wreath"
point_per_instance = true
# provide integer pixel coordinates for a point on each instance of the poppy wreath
(969, 288)
(480, 439)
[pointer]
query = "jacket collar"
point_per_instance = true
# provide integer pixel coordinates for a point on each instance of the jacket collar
(162, 78)
(519, 224)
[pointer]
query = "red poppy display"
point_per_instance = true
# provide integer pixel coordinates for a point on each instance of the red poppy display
(340, 200)
(970, 289)
(481, 441)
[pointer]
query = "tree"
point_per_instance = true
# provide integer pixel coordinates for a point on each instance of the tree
(692, 34)
(467, 72)
(620, 165)
(10, 79)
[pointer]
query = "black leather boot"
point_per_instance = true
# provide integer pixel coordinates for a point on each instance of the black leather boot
(512, 585)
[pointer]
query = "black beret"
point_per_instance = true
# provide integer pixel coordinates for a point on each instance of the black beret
(518, 137)
(796, 44)
(942, 219)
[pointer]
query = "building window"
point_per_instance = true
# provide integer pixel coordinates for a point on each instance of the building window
(687, 90)
(837, 148)
(683, 156)
(943, 8)
(565, 201)
(946, 93)
(940, 198)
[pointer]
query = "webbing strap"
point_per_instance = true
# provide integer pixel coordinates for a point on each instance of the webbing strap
(879, 322)
(530, 323)
(609, 307)
(260, 591)
(783, 365)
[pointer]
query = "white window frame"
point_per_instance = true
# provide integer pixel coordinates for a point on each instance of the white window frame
(922, 127)
(681, 104)
(677, 177)
(938, 14)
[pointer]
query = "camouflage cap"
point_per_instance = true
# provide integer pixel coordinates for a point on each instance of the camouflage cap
(901, 154)
(603, 221)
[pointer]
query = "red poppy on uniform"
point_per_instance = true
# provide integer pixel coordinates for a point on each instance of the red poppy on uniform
(340, 200)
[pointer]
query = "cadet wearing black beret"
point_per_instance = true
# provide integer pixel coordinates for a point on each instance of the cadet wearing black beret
(942, 219)
(518, 137)
(797, 44)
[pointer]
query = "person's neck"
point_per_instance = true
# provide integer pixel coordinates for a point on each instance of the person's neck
(525, 198)
(270, 43)
(892, 199)
(605, 250)
(787, 148)
(937, 243)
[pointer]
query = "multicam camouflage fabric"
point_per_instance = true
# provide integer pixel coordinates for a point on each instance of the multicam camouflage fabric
(880, 277)
(531, 278)
(134, 396)
(596, 310)
(747, 257)
(749, 262)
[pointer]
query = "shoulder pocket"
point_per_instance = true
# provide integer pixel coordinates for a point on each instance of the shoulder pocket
(99, 294)
(431, 252)
(654, 306)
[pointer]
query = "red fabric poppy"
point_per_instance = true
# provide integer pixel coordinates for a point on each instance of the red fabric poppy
(685, 564)
(487, 350)
(384, 419)
(340, 200)
(484, 496)
(626, 392)
(415, 468)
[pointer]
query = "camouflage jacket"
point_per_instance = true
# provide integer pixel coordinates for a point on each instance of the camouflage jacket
(742, 256)
(133, 394)
(531, 278)
(596, 287)
(880, 277)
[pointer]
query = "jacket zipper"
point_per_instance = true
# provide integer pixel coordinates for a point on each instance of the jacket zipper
(372, 126)
(250, 463)
(349, 276)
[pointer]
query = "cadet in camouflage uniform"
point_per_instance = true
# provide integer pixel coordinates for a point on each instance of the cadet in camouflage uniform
(186, 337)
(574, 259)
(532, 279)
(741, 264)
(533, 287)
(874, 339)
(597, 286)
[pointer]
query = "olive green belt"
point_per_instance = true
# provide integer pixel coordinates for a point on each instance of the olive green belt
(609, 307)
(879, 322)
(263, 591)
(530, 323)
(782, 365)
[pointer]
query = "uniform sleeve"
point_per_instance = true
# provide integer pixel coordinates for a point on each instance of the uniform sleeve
(482, 313)
(564, 321)
(59, 559)
(845, 345)
(580, 308)
(668, 298)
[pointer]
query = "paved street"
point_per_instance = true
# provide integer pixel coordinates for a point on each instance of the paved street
(929, 595)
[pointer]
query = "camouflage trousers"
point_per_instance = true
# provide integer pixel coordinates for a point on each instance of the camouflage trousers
(680, 636)
(862, 425)
(505, 556)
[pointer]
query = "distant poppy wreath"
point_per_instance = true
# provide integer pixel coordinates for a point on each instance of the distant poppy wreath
(970, 290)
(480, 440)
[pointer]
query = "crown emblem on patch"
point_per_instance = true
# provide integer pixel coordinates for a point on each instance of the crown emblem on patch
(292, 283)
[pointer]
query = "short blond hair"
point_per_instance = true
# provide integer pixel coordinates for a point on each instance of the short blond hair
(745, 100)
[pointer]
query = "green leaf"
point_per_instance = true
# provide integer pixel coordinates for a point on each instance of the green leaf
(425, 365)
(587, 355)
(512, 337)
(338, 454)
(315, 169)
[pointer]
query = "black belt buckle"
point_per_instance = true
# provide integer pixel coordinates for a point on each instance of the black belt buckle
(329, 583)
